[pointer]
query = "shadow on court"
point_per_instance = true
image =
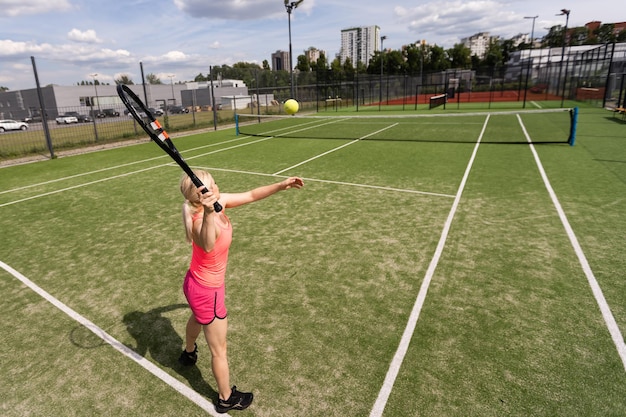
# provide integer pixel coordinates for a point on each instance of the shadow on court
(155, 335)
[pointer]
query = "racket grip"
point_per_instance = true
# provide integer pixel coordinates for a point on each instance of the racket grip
(216, 206)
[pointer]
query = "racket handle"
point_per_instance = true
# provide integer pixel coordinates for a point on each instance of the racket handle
(216, 206)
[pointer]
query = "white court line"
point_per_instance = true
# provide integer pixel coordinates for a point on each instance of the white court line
(116, 167)
(39, 195)
(398, 358)
(335, 149)
(124, 175)
(611, 324)
(183, 389)
(177, 385)
(351, 184)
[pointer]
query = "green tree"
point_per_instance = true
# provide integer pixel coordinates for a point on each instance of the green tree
(412, 57)
(348, 69)
(124, 79)
(153, 79)
(604, 33)
(437, 59)
(507, 47)
(336, 66)
(493, 56)
(394, 62)
(321, 64)
(579, 36)
(373, 66)
(460, 56)
(553, 38)
(303, 63)
(361, 68)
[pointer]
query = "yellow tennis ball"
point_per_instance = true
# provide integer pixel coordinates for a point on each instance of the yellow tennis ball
(291, 106)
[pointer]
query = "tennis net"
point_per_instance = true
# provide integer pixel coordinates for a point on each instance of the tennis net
(542, 125)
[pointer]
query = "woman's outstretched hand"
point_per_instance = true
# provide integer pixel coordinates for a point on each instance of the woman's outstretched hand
(292, 182)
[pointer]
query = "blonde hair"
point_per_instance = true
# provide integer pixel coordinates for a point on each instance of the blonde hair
(192, 204)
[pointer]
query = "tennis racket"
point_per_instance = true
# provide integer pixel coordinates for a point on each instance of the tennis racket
(153, 128)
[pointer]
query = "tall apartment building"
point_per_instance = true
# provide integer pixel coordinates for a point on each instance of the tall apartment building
(478, 43)
(313, 54)
(280, 61)
(359, 44)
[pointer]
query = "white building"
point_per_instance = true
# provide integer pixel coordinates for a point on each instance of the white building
(86, 99)
(478, 43)
(359, 44)
(520, 39)
(313, 54)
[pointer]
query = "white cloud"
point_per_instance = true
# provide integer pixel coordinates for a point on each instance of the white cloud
(10, 48)
(233, 9)
(24, 7)
(87, 36)
(458, 19)
(175, 56)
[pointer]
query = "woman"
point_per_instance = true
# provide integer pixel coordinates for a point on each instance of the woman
(210, 234)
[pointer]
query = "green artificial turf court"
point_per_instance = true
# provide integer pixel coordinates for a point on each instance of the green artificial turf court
(423, 270)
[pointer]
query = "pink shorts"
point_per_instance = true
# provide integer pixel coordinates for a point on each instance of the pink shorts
(206, 303)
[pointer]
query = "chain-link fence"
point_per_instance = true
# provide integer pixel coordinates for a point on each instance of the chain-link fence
(593, 74)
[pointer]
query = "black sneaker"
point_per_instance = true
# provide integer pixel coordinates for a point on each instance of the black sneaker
(189, 358)
(238, 401)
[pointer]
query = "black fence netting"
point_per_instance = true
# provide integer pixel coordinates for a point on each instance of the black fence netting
(594, 74)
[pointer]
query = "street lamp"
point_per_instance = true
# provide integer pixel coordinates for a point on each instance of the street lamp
(530, 55)
(566, 13)
(422, 44)
(290, 6)
(94, 75)
(171, 77)
(93, 114)
(382, 51)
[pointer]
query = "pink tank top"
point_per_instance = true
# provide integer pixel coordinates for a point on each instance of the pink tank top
(209, 268)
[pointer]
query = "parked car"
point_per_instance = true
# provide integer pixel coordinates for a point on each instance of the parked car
(82, 118)
(32, 119)
(155, 112)
(97, 114)
(177, 110)
(12, 125)
(110, 113)
(66, 119)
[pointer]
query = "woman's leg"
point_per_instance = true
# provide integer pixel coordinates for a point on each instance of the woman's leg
(215, 334)
(191, 333)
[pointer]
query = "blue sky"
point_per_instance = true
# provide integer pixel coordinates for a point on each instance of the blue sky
(71, 39)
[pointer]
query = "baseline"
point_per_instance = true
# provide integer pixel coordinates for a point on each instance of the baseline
(114, 167)
(124, 174)
(183, 389)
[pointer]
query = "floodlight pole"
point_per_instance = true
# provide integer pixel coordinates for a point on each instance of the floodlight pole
(530, 55)
(171, 77)
(94, 75)
(94, 116)
(566, 13)
(290, 6)
(382, 51)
